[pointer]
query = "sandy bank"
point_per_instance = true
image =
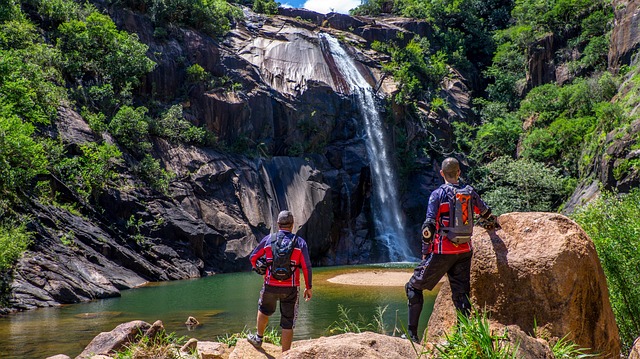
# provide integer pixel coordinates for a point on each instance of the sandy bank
(376, 278)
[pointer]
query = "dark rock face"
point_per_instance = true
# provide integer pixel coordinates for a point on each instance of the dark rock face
(625, 37)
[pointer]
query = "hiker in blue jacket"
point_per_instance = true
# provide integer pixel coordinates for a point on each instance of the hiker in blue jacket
(446, 249)
(284, 289)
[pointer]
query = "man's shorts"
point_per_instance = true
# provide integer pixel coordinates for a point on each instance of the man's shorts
(457, 267)
(288, 296)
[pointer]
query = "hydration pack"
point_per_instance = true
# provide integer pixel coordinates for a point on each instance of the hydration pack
(282, 268)
(460, 215)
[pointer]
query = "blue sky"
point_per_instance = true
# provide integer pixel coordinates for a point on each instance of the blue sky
(322, 6)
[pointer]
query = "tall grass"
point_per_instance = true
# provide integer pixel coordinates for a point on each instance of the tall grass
(613, 223)
(473, 339)
(347, 324)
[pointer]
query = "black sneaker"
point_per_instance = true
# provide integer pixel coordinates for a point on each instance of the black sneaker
(255, 340)
(414, 338)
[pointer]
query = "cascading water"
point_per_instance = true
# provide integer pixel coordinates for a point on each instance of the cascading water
(389, 220)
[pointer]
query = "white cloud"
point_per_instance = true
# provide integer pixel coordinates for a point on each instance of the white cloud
(326, 6)
(287, 5)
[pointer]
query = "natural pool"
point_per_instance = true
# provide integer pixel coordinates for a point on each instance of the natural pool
(223, 303)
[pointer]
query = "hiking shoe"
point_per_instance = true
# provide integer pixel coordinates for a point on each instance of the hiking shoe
(255, 340)
(414, 338)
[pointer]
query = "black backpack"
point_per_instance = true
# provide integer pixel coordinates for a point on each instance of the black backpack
(281, 267)
(460, 226)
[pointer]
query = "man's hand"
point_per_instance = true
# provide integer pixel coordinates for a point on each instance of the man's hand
(307, 294)
(490, 223)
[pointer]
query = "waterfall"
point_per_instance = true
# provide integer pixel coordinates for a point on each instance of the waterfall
(389, 221)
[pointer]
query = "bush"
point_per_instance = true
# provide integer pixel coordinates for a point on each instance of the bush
(92, 171)
(173, 126)
(496, 138)
(14, 240)
(522, 185)
(26, 86)
(269, 7)
(96, 53)
(21, 157)
(211, 16)
(130, 127)
(152, 173)
(613, 223)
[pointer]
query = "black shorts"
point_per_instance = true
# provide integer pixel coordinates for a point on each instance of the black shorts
(288, 296)
(456, 266)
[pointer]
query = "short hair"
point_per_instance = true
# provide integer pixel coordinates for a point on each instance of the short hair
(285, 218)
(450, 167)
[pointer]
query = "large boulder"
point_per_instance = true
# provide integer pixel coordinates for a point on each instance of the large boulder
(366, 345)
(635, 350)
(109, 342)
(540, 272)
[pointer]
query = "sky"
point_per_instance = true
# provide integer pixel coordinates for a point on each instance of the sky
(323, 6)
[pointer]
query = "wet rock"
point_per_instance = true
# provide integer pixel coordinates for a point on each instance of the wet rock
(157, 328)
(59, 356)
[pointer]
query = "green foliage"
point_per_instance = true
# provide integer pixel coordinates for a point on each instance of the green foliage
(10, 10)
(346, 324)
(92, 171)
(418, 72)
(496, 138)
(21, 157)
(613, 223)
(55, 12)
(196, 73)
(162, 345)
(567, 349)
(563, 121)
(96, 53)
(173, 126)
(130, 127)
(523, 185)
(473, 339)
(14, 240)
(269, 7)
(368, 8)
(211, 16)
(152, 173)
(26, 84)
(581, 25)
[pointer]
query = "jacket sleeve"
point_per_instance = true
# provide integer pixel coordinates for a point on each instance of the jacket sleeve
(433, 207)
(479, 207)
(258, 252)
(306, 265)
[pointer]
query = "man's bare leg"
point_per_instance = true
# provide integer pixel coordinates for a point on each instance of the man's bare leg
(262, 322)
(287, 338)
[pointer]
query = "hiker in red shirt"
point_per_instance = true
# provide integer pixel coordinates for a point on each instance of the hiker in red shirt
(446, 247)
(281, 283)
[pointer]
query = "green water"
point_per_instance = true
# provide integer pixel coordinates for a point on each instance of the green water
(224, 304)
